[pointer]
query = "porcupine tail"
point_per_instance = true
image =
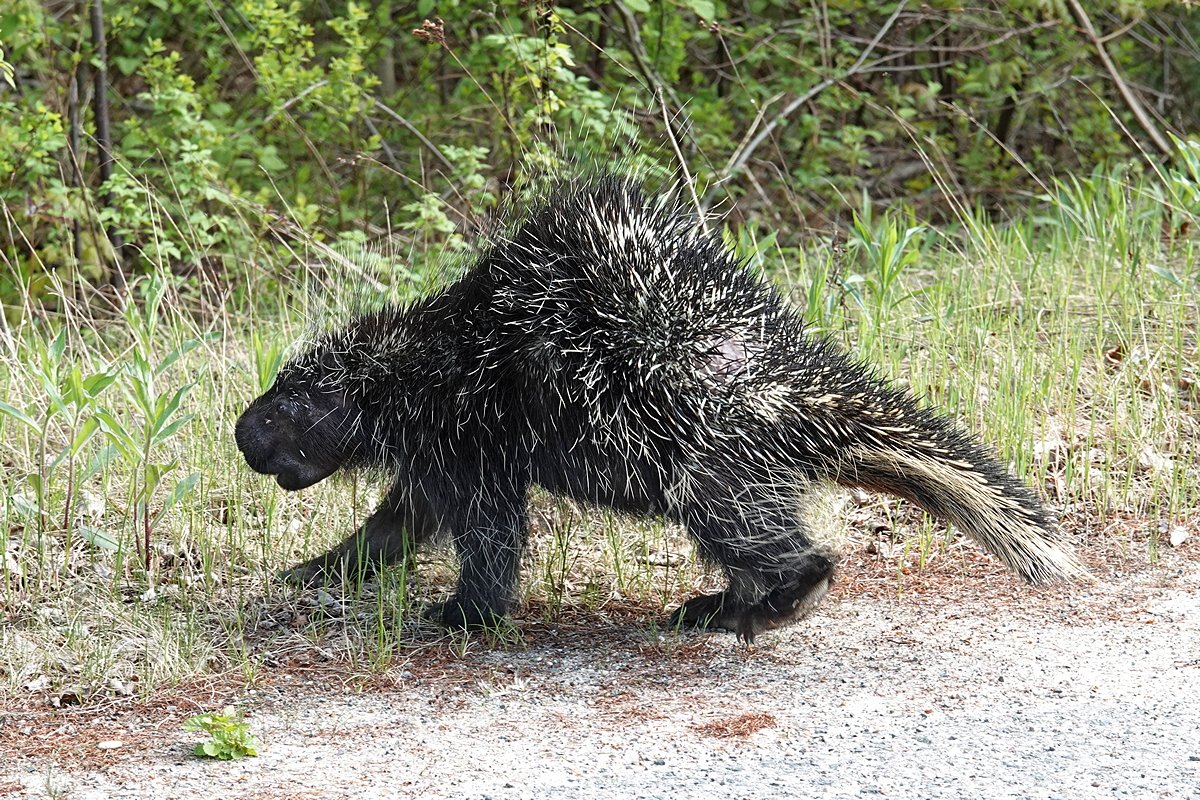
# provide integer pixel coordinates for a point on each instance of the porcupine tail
(907, 451)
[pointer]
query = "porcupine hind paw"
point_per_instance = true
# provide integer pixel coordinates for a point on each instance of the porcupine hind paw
(720, 611)
(786, 604)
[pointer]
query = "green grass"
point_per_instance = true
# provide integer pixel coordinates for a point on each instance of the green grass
(1067, 339)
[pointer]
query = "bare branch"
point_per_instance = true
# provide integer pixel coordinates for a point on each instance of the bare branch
(1131, 100)
(104, 132)
(742, 155)
(433, 148)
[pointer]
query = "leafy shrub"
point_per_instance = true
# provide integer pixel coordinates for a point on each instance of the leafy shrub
(268, 122)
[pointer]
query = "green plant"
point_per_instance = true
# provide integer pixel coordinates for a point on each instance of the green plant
(143, 443)
(1183, 183)
(6, 71)
(72, 396)
(268, 353)
(886, 249)
(230, 736)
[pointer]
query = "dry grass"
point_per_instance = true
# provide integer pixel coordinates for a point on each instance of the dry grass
(739, 726)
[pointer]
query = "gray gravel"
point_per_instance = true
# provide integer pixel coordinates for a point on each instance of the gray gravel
(1094, 695)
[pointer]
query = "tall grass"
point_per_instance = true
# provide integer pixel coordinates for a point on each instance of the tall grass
(139, 551)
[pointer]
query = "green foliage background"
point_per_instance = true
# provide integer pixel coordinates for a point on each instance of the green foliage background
(251, 123)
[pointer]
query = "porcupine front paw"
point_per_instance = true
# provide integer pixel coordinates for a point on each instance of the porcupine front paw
(462, 614)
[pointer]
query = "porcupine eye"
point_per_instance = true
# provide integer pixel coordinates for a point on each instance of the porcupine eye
(286, 410)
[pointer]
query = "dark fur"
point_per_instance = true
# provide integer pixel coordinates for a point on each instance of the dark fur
(608, 352)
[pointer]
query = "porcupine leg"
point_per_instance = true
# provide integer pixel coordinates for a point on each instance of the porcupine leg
(776, 573)
(403, 520)
(489, 537)
(794, 596)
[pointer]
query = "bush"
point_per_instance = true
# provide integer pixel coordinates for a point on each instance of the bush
(306, 122)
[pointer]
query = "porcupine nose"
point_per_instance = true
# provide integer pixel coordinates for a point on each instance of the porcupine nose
(248, 433)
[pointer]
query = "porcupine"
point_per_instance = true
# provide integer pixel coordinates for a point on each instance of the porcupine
(607, 349)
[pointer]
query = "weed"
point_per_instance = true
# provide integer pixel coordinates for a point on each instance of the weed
(229, 735)
(159, 419)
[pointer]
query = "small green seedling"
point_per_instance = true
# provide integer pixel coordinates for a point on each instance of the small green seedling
(231, 737)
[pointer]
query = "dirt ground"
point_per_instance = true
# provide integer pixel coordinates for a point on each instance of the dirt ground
(974, 688)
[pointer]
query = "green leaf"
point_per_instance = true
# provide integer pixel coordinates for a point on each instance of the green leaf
(98, 538)
(117, 433)
(270, 161)
(165, 408)
(97, 383)
(181, 490)
(24, 508)
(704, 9)
(19, 415)
(59, 345)
(185, 347)
(86, 431)
(170, 430)
(54, 398)
(153, 476)
(71, 387)
(1166, 273)
(126, 65)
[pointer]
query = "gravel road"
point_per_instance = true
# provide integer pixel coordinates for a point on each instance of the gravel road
(1087, 694)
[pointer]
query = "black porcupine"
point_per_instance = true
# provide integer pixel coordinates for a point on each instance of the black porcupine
(609, 350)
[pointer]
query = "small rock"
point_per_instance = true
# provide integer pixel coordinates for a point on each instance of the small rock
(1152, 460)
(38, 684)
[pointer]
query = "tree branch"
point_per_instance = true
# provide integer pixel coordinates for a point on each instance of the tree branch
(433, 148)
(1131, 101)
(743, 153)
(104, 132)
